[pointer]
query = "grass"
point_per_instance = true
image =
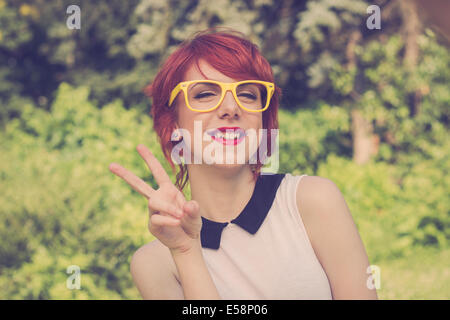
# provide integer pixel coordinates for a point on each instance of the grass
(423, 275)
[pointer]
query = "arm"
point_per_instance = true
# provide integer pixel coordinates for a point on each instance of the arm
(334, 237)
(176, 223)
(194, 275)
(154, 279)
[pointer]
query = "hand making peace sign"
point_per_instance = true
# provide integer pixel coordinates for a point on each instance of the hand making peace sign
(173, 220)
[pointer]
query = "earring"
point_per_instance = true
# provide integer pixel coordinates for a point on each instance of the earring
(176, 136)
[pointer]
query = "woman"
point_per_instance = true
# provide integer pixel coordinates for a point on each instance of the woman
(244, 235)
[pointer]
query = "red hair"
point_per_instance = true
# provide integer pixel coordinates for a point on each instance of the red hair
(230, 53)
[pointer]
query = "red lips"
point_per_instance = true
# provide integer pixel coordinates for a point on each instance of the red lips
(230, 130)
(224, 129)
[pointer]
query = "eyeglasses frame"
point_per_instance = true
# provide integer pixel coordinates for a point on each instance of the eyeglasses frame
(225, 86)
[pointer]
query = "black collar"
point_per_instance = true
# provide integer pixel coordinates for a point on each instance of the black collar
(253, 215)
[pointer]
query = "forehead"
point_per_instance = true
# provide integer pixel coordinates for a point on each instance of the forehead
(193, 73)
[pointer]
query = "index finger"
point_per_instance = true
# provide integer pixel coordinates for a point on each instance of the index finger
(134, 181)
(154, 165)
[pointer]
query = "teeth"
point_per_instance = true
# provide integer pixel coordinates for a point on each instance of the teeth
(228, 135)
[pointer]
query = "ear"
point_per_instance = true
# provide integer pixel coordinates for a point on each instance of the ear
(176, 134)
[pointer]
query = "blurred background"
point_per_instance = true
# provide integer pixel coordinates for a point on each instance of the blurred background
(366, 108)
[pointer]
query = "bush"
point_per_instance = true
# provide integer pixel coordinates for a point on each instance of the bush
(395, 212)
(61, 206)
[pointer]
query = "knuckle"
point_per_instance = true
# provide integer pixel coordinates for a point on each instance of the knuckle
(151, 203)
(168, 187)
(150, 226)
(173, 191)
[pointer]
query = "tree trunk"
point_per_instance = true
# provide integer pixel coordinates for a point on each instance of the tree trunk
(434, 14)
(411, 26)
(365, 143)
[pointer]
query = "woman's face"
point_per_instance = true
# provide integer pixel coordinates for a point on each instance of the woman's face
(228, 116)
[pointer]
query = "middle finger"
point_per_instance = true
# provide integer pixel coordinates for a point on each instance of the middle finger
(154, 165)
(156, 204)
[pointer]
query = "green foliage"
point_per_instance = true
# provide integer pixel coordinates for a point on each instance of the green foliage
(307, 137)
(62, 125)
(389, 206)
(388, 93)
(421, 275)
(122, 43)
(387, 200)
(61, 206)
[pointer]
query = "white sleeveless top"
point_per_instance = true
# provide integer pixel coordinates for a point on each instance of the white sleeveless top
(265, 253)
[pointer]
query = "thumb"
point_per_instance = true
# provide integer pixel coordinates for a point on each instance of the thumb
(192, 223)
(192, 208)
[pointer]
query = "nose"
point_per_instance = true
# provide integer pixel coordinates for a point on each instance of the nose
(229, 107)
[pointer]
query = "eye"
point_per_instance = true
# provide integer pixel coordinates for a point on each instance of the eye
(248, 95)
(204, 94)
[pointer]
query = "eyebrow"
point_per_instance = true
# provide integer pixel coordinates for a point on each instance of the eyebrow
(251, 85)
(204, 83)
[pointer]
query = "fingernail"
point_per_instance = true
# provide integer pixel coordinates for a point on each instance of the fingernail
(112, 166)
(180, 213)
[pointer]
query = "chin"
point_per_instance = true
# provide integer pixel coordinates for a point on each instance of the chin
(230, 168)
(230, 159)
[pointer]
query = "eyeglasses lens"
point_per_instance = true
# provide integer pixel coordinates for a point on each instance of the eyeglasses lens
(205, 95)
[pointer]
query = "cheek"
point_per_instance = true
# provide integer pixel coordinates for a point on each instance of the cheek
(189, 120)
(257, 122)
(185, 117)
(261, 133)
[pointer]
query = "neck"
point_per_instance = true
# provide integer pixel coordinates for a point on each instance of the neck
(222, 193)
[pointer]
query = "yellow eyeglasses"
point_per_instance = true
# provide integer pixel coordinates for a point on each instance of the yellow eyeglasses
(207, 95)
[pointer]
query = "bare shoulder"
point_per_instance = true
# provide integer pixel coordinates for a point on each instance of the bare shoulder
(319, 198)
(154, 272)
(314, 192)
(314, 188)
(153, 249)
(334, 237)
